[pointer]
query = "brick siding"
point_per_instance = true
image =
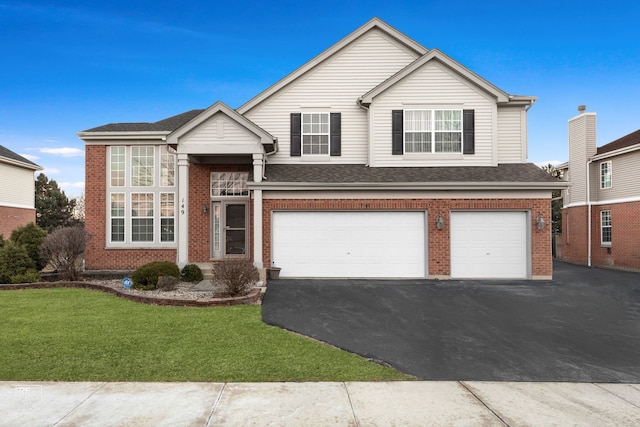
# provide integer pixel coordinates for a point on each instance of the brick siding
(12, 218)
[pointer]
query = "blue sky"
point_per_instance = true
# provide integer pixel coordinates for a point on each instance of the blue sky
(68, 66)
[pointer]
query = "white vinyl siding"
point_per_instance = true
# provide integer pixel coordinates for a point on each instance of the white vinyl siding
(512, 134)
(432, 87)
(17, 187)
(334, 86)
(582, 146)
(219, 130)
(625, 182)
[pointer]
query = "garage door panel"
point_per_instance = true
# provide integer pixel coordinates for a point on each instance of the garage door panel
(349, 244)
(489, 245)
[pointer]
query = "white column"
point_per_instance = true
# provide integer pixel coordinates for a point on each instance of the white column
(183, 210)
(258, 161)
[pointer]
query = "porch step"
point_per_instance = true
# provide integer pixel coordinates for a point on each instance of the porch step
(207, 269)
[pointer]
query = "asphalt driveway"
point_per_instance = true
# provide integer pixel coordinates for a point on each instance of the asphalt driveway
(583, 326)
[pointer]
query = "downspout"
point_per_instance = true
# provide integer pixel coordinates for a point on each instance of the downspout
(589, 213)
(270, 153)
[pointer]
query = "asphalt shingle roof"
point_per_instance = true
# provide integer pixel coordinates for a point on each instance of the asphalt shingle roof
(166, 125)
(340, 173)
(626, 141)
(6, 153)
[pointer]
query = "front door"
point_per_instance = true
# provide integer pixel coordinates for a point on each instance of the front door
(229, 230)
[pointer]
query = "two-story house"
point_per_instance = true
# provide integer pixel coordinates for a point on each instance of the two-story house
(378, 158)
(601, 214)
(17, 191)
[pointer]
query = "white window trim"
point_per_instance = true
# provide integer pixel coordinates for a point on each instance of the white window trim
(602, 228)
(128, 190)
(433, 132)
(609, 165)
(302, 133)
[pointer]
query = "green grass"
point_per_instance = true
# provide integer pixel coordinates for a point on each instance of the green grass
(83, 335)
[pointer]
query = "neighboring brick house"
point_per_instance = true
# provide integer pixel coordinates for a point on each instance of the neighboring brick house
(377, 158)
(17, 191)
(601, 214)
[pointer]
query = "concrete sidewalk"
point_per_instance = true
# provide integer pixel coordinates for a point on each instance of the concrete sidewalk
(416, 403)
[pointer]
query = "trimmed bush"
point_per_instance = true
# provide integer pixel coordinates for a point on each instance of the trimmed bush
(14, 261)
(146, 277)
(236, 275)
(62, 248)
(29, 276)
(191, 273)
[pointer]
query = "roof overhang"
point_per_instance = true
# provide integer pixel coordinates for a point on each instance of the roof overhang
(617, 152)
(18, 163)
(123, 135)
(440, 186)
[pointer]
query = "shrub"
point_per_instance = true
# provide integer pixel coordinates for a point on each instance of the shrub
(14, 261)
(236, 275)
(62, 248)
(29, 276)
(191, 273)
(146, 277)
(31, 237)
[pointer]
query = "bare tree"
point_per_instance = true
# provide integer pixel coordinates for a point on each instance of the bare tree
(62, 248)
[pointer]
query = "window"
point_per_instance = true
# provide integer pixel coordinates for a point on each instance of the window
(433, 131)
(142, 166)
(315, 133)
(117, 166)
(141, 205)
(229, 184)
(605, 175)
(117, 217)
(605, 228)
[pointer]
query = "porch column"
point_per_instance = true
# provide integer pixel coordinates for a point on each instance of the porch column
(183, 210)
(258, 164)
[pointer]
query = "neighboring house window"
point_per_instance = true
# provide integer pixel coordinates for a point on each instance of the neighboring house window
(230, 215)
(605, 175)
(433, 131)
(316, 134)
(141, 207)
(605, 228)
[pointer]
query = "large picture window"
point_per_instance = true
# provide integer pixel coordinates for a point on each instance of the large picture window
(433, 131)
(141, 206)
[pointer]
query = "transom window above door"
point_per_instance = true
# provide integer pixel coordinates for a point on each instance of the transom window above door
(229, 184)
(315, 133)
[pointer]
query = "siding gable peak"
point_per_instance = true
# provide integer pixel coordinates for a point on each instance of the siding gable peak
(375, 23)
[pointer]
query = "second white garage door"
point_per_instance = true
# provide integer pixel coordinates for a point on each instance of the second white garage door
(349, 244)
(489, 245)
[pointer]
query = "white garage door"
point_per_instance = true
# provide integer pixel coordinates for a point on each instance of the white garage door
(489, 245)
(349, 244)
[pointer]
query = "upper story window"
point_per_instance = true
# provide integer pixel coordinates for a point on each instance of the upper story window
(225, 184)
(142, 166)
(605, 174)
(118, 166)
(315, 133)
(605, 228)
(433, 131)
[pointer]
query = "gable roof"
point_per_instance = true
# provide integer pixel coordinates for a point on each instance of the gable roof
(436, 55)
(220, 107)
(169, 124)
(8, 156)
(374, 23)
(503, 176)
(625, 142)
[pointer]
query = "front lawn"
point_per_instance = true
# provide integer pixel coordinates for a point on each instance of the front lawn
(84, 335)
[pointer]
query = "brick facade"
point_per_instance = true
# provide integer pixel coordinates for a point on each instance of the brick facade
(624, 252)
(438, 241)
(12, 218)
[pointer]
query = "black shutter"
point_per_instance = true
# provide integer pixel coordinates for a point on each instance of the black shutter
(468, 132)
(296, 134)
(397, 127)
(336, 132)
